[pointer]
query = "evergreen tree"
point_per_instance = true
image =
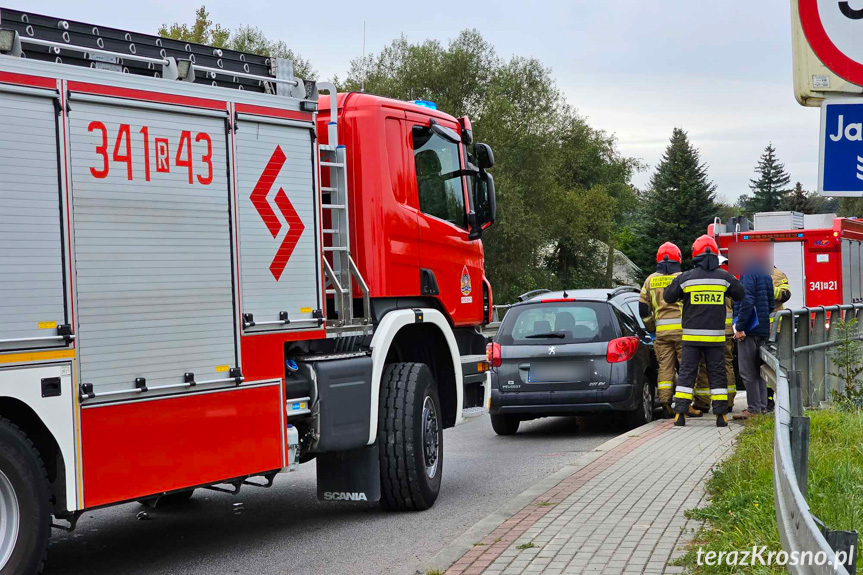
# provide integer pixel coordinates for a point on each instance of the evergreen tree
(679, 204)
(799, 200)
(770, 188)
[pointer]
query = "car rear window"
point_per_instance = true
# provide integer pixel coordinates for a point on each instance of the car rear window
(556, 322)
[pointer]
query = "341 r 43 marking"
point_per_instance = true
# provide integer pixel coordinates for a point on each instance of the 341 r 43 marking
(122, 153)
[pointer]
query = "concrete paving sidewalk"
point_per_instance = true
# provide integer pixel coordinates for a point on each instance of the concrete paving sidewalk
(617, 510)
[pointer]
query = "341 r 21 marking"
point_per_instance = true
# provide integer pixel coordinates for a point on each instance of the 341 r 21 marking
(122, 153)
(824, 286)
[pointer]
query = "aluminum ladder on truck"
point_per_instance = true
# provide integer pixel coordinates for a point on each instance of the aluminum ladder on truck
(343, 272)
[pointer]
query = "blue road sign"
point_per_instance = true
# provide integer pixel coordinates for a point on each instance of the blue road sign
(841, 168)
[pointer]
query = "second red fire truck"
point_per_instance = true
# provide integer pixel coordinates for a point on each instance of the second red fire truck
(821, 254)
(209, 275)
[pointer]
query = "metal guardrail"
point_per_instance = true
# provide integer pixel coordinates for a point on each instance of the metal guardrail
(797, 364)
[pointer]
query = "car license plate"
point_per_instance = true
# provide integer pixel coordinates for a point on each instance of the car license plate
(557, 373)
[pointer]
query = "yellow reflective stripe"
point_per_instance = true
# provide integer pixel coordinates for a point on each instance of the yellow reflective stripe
(705, 338)
(702, 392)
(664, 385)
(729, 321)
(719, 397)
(682, 395)
(669, 327)
(37, 356)
(689, 289)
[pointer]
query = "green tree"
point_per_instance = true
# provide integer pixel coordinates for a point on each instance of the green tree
(561, 184)
(679, 204)
(243, 39)
(799, 200)
(851, 207)
(770, 188)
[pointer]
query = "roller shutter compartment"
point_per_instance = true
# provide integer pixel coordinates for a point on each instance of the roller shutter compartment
(277, 204)
(32, 292)
(152, 246)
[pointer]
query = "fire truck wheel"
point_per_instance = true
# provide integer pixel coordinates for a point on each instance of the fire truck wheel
(25, 506)
(411, 437)
(505, 424)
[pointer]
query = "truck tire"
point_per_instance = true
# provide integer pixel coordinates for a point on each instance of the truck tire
(505, 424)
(25, 503)
(643, 413)
(410, 436)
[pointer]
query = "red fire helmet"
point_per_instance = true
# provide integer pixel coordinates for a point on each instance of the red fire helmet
(703, 244)
(670, 251)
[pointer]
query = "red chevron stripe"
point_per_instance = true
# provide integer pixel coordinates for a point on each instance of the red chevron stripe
(295, 230)
(262, 188)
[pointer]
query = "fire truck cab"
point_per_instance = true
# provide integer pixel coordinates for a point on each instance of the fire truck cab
(821, 254)
(212, 270)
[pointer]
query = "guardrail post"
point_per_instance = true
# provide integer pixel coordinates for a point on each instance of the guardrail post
(801, 363)
(795, 384)
(800, 451)
(818, 365)
(844, 542)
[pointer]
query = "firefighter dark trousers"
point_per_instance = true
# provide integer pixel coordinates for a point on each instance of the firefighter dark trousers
(714, 359)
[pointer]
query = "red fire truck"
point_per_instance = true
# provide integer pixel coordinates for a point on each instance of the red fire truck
(208, 275)
(822, 255)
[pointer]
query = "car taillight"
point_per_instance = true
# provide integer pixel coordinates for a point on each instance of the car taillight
(621, 349)
(492, 354)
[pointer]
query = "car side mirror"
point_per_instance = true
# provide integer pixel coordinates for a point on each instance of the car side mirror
(484, 156)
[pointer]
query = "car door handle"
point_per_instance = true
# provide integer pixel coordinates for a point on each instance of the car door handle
(524, 366)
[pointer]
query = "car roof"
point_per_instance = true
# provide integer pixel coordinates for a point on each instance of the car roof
(596, 294)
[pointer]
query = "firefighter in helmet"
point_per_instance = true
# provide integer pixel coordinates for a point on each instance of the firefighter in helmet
(664, 318)
(703, 290)
(701, 401)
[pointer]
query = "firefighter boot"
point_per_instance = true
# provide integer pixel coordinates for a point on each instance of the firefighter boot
(722, 420)
(667, 411)
(694, 412)
(679, 419)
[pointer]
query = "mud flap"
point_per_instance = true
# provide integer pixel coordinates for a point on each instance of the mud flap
(350, 475)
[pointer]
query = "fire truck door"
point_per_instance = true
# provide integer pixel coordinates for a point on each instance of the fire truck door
(152, 243)
(788, 257)
(32, 291)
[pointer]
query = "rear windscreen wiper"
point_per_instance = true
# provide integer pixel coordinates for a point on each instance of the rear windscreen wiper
(550, 334)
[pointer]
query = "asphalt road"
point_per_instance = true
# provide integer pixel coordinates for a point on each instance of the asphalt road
(285, 529)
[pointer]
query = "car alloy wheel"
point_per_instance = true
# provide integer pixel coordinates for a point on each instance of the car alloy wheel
(647, 402)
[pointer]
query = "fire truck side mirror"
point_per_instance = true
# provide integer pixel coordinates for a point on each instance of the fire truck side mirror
(485, 201)
(484, 156)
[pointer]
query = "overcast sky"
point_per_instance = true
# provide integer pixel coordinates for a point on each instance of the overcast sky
(719, 69)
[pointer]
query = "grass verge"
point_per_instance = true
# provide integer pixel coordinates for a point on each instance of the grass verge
(741, 511)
